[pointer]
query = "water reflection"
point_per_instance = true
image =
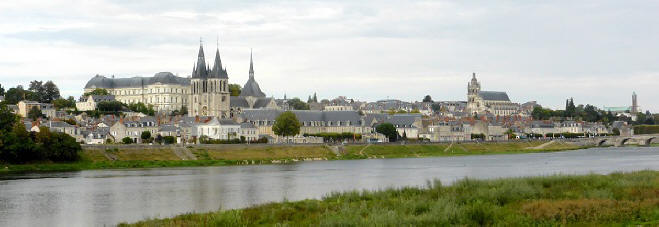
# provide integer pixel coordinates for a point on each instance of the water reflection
(106, 197)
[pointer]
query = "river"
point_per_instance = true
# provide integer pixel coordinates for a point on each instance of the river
(108, 197)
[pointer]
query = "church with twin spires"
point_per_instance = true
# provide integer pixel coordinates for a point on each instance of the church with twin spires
(209, 90)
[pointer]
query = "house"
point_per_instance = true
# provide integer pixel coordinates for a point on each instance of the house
(90, 102)
(222, 129)
(24, 107)
(133, 129)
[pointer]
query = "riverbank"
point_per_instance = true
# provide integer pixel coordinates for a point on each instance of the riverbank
(145, 156)
(615, 199)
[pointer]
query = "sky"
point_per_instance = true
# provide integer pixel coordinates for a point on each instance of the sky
(598, 52)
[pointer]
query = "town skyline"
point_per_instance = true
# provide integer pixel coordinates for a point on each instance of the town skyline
(377, 59)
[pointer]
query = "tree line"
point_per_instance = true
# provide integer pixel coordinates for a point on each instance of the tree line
(17, 145)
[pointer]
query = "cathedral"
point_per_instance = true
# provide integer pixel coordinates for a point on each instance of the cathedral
(483, 102)
(204, 93)
(209, 88)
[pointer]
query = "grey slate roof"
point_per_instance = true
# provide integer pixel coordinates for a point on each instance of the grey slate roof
(494, 95)
(236, 101)
(262, 102)
(304, 115)
(252, 88)
(99, 81)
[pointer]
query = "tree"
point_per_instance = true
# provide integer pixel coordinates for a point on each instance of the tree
(109, 106)
(649, 118)
(315, 98)
(127, 140)
(97, 91)
(436, 107)
(2, 90)
(50, 92)
(297, 104)
(286, 124)
(34, 113)
(169, 140)
(140, 107)
(427, 98)
(64, 103)
(234, 89)
(7, 119)
(37, 89)
(570, 109)
(14, 95)
(388, 130)
(145, 136)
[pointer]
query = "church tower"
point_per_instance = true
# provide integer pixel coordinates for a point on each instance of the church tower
(634, 109)
(209, 88)
(473, 88)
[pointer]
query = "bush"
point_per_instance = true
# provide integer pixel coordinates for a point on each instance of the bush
(127, 140)
(479, 136)
(334, 136)
(169, 139)
(646, 129)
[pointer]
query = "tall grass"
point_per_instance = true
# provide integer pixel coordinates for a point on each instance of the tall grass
(619, 198)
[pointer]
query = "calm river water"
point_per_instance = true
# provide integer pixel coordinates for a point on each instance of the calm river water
(107, 197)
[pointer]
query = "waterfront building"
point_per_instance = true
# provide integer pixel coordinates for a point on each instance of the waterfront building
(209, 88)
(164, 91)
(495, 102)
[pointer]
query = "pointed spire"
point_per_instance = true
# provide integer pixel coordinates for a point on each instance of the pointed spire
(251, 65)
(200, 71)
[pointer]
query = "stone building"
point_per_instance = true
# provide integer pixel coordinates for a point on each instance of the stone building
(90, 102)
(209, 88)
(165, 91)
(494, 102)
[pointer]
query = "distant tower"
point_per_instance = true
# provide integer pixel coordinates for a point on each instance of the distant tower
(634, 104)
(473, 87)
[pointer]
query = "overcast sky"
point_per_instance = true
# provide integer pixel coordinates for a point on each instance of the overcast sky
(598, 52)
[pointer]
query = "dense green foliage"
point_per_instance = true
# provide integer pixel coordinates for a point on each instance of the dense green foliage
(17, 145)
(388, 130)
(286, 124)
(645, 118)
(478, 136)
(334, 136)
(97, 91)
(126, 140)
(619, 198)
(146, 137)
(588, 113)
(297, 104)
(427, 98)
(109, 106)
(646, 129)
(35, 113)
(142, 108)
(61, 103)
(234, 89)
(43, 92)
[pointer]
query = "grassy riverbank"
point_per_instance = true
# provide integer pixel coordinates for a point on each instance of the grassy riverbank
(616, 199)
(113, 157)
